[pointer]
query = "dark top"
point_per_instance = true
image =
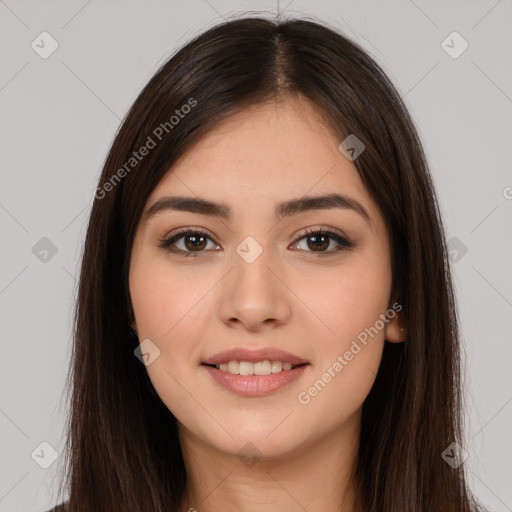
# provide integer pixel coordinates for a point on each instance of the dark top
(60, 508)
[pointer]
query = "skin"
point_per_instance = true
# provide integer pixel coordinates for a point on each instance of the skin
(291, 297)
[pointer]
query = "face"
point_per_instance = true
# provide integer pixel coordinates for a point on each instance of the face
(263, 274)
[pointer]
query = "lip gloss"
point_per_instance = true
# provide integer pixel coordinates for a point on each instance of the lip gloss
(255, 385)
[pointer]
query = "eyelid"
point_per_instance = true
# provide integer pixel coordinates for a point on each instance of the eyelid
(168, 240)
(323, 229)
(188, 229)
(344, 242)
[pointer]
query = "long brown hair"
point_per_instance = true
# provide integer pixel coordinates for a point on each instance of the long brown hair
(123, 452)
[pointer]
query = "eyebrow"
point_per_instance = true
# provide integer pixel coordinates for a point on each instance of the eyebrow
(283, 209)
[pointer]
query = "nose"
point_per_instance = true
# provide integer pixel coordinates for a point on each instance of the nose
(254, 296)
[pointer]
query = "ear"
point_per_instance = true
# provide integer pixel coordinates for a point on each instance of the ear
(395, 331)
(131, 320)
(133, 327)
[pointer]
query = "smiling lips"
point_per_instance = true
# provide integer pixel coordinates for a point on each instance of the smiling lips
(254, 368)
(254, 372)
(254, 355)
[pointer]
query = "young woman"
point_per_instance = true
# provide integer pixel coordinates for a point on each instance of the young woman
(265, 318)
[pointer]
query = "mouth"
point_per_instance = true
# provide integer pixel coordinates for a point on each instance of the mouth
(260, 358)
(254, 378)
(252, 373)
(265, 367)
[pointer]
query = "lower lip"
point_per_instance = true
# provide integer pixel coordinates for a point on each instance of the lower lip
(255, 385)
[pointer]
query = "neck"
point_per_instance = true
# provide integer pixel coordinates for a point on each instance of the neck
(314, 476)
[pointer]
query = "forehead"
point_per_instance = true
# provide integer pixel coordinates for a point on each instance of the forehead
(268, 152)
(288, 136)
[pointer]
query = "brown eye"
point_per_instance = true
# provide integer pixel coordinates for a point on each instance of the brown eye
(192, 243)
(320, 240)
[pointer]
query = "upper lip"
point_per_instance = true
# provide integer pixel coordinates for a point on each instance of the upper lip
(254, 355)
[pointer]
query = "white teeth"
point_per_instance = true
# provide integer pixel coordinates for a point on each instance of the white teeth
(262, 368)
(277, 366)
(246, 368)
(258, 368)
(232, 367)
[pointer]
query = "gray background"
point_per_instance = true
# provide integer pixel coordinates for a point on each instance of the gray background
(59, 116)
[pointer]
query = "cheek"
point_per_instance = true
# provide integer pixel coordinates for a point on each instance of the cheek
(350, 338)
(163, 297)
(345, 302)
(160, 305)
(169, 306)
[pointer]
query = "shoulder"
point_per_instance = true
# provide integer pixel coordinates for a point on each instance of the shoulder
(63, 507)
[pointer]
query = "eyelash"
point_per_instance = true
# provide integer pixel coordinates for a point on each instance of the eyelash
(167, 243)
